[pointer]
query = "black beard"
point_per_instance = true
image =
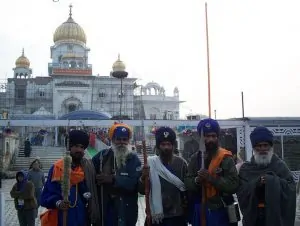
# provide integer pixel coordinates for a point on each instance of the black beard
(166, 154)
(76, 157)
(211, 146)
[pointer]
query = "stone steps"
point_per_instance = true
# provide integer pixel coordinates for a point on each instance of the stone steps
(47, 156)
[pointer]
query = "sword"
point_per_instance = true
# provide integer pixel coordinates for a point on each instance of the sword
(203, 199)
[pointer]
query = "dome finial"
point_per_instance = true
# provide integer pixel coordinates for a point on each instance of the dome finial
(70, 12)
(119, 57)
(23, 52)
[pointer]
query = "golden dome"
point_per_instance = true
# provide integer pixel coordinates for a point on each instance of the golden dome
(69, 31)
(22, 61)
(118, 65)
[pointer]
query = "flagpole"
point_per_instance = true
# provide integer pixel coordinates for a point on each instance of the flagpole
(208, 63)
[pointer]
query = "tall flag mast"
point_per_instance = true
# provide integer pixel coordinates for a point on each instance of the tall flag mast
(208, 65)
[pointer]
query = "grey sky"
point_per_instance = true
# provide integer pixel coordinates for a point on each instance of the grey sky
(255, 47)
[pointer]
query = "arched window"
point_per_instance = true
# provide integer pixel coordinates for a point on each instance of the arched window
(73, 64)
(72, 107)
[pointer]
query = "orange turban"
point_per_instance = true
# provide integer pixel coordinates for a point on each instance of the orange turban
(119, 129)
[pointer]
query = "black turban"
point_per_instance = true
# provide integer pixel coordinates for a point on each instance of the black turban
(165, 134)
(78, 137)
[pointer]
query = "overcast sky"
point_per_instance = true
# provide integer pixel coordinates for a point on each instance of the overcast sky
(254, 47)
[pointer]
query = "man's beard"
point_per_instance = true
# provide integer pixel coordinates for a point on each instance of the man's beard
(77, 157)
(165, 153)
(121, 152)
(263, 159)
(211, 147)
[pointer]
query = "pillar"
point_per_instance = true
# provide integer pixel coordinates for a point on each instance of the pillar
(248, 145)
(56, 136)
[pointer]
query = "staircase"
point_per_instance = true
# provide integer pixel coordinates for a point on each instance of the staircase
(47, 156)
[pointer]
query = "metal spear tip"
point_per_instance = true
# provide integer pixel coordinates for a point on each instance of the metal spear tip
(87, 195)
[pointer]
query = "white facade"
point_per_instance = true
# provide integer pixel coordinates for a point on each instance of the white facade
(155, 104)
(72, 86)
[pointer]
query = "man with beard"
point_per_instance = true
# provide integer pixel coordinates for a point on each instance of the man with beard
(82, 183)
(118, 171)
(267, 193)
(167, 191)
(218, 177)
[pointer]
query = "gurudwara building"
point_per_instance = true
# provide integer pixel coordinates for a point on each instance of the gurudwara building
(72, 87)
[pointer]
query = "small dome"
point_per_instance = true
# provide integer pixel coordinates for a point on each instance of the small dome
(22, 61)
(118, 65)
(69, 31)
(152, 85)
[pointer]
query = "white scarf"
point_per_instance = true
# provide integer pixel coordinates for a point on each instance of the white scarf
(157, 169)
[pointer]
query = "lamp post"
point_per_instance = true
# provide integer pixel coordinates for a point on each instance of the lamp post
(119, 73)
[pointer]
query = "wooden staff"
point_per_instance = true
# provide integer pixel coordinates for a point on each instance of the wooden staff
(65, 185)
(147, 186)
(101, 190)
(203, 197)
(147, 181)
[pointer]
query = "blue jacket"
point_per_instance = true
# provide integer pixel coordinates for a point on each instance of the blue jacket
(119, 201)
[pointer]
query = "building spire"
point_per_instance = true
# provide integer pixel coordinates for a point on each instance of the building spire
(119, 57)
(70, 12)
(23, 52)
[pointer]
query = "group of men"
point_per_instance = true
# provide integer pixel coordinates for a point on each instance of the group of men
(200, 193)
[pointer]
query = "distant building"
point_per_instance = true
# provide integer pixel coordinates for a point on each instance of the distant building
(71, 86)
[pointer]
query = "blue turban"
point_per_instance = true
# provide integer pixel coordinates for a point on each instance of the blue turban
(165, 134)
(121, 131)
(208, 126)
(261, 134)
(78, 137)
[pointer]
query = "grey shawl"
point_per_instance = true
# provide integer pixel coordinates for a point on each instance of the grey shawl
(280, 193)
(90, 175)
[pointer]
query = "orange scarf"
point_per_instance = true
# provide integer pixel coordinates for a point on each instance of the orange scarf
(213, 166)
(50, 217)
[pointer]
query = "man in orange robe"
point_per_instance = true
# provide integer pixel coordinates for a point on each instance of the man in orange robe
(82, 184)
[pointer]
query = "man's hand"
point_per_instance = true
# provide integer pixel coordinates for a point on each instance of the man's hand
(104, 179)
(63, 205)
(145, 172)
(202, 175)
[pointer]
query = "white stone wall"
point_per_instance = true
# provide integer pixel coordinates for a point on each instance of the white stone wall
(106, 98)
(159, 106)
(62, 49)
(63, 96)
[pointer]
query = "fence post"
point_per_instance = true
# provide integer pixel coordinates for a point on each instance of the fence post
(2, 210)
(2, 201)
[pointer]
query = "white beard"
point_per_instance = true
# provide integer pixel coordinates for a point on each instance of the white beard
(263, 160)
(121, 153)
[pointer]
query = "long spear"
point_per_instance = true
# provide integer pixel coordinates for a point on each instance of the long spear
(147, 184)
(203, 197)
(65, 185)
